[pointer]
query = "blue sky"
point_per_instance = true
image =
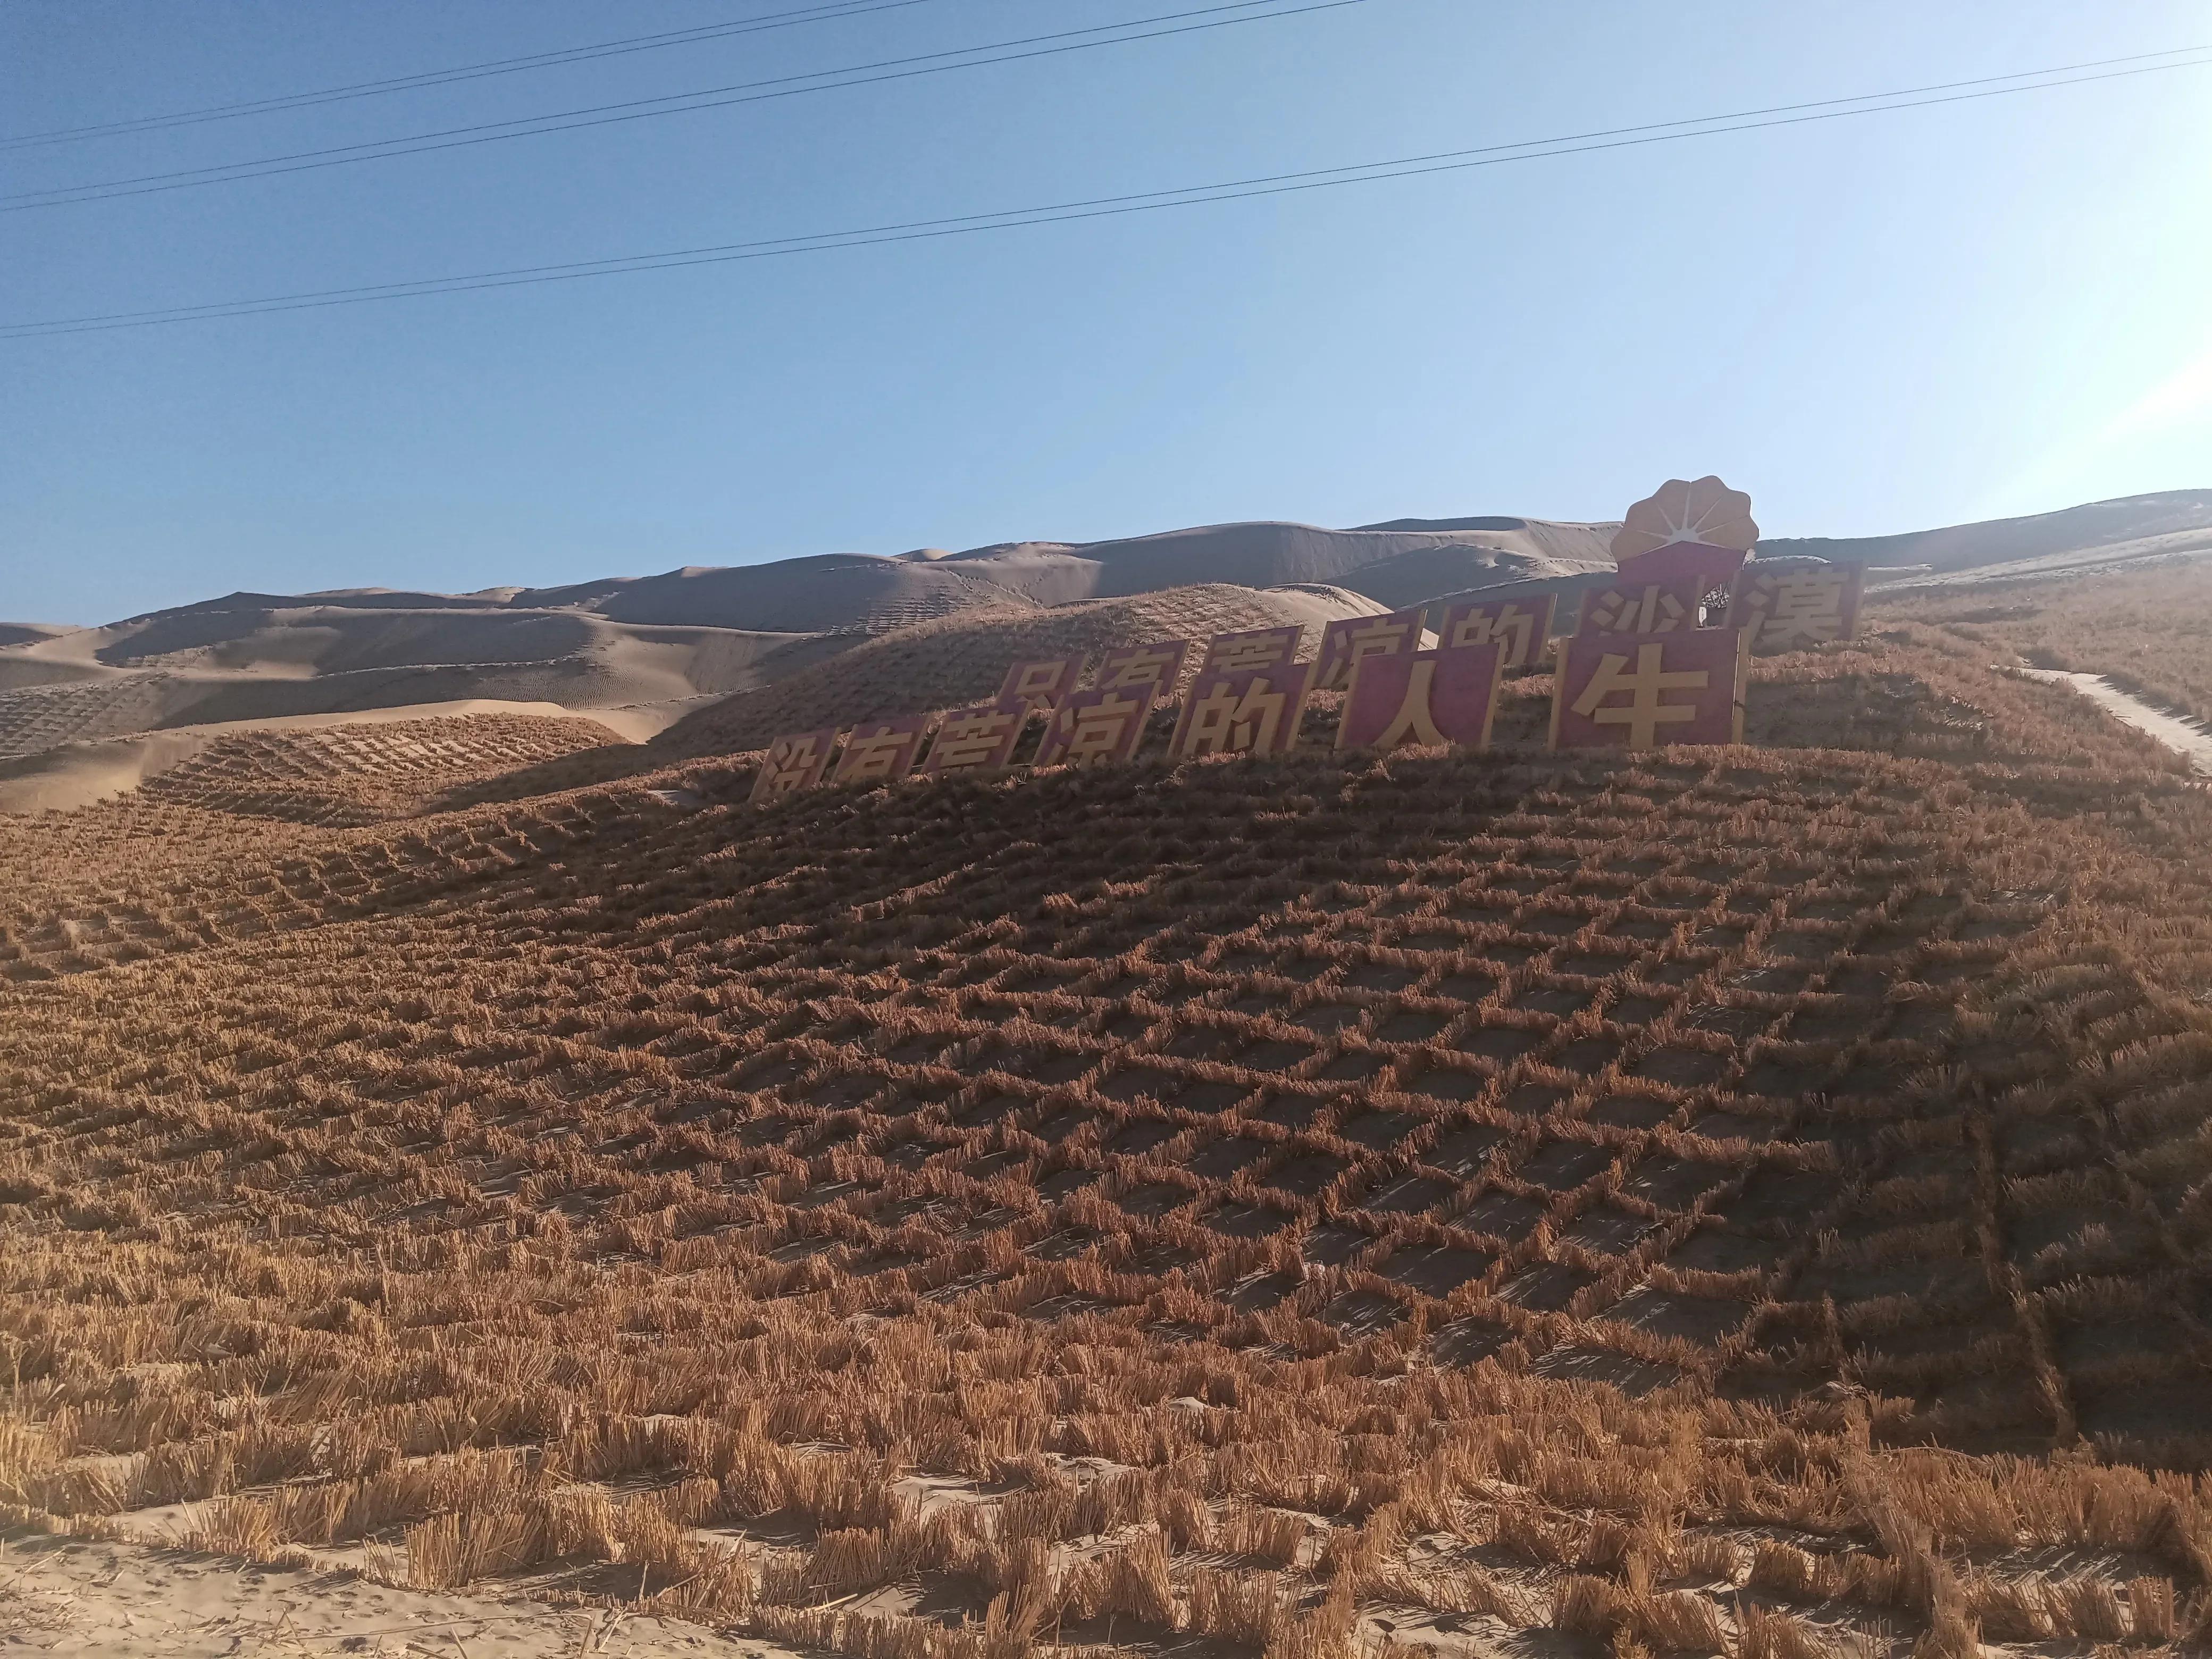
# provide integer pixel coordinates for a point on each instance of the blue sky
(1872, 324)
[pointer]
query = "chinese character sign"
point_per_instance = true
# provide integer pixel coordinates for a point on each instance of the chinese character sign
(1345, 641)
(1519, 627)
(1640, 693)
(792, 762)
(1038, 685)
(1099, 724)
(1789, 609)
(979, 739)
(1640, 607)
(1254, 713)
(880, 750)
(1423, 697)
(1246, 653)
(1158, 665)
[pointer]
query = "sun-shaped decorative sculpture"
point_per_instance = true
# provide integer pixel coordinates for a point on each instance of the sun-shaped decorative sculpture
(1706, 512)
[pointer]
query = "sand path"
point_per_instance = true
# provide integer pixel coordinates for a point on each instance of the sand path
(134, 1601)
(2179, 733)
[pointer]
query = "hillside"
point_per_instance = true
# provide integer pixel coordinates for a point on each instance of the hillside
(961, 659)
(648, 651)
(1749, 1200)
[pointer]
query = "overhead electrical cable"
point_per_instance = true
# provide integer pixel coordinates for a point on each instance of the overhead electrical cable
(1780, 115)
(828, 12)
(682, 103)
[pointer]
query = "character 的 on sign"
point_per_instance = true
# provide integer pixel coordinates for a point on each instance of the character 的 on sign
(1444, 696)
(1249, 714)
(1642, 692)
(1346, 642)
(1521, 627)
(795, 761)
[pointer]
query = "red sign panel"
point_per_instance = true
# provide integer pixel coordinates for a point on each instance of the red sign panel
(1641, 693)
(1789, 610)
(980, 739)
(1519, 627)
(1247, 653)
(1158, 665)
(792, 762)
(1626, 607)
(1426, 697)
(879, 750)
(1345, 642)
(1038, 685)
(1096, 726)
(1254, 713)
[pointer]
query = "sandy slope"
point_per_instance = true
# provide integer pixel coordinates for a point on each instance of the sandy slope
(124, 1600)
(952, 660)
(74, 774)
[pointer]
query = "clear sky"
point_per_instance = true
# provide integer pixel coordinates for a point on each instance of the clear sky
(1873, 324)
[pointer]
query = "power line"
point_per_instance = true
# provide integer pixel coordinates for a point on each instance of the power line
(828, 12)
(1780, 115)
(636, 109)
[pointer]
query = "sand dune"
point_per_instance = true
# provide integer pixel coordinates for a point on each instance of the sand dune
(952, 660)
(497, 736)
(663, 645)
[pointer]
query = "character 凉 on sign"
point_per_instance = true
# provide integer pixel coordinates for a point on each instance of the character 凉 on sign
(1246, 653)
(1103, 724)
(1158, 665)
(1040, 684)
(879, 750)
(1345, 642)
(1640, 693)
(796, 762)
(1254, 713)
(980, 739)
(1427, 697)
(1789, 609)
(1520, 626)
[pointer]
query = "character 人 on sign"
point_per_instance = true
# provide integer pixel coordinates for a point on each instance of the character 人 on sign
(1246, 653)
(1038, 685)
(796, 762)
(1346, 642)
(1158, 665)
(1520, 626)
(1103, 724)
(1436, 697)
(1639, 693)
(980, 739)
(1789, 610)
(1251, 713)
(880, 750)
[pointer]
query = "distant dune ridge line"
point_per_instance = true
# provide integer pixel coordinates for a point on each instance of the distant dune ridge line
(667, 650)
